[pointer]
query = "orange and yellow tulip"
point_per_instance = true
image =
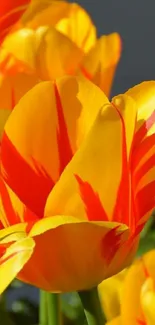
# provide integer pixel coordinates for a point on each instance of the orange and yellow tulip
(137, 303)
(56, 38)
(78, 174)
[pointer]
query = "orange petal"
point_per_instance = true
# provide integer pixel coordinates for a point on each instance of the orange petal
(99, 65)
(72, 255)
(12, 88)
(52, 129)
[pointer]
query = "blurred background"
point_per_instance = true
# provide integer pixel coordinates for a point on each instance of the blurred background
(134, 20)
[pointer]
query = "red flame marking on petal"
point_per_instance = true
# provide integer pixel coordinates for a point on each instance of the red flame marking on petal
(124, 210)
(2, 250)
(11, 216)
(65, 151)
(111, 243)
(93, 205)
(148, 165)
(140, 322)
(86, 73)
(10, 13)
(145, 127)
(31, 185)
(146, 205)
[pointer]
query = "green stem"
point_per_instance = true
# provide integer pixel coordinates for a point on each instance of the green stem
(43, 316)
(92, 307)
(53, 307)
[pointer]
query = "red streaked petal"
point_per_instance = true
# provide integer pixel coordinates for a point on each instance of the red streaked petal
(93, 205)
(11, 216)
(145, 127)
(122, 212)
(146, 199)
(142, 151)
(10, 13)
(150, 163)
(13, 259)
(64, 147)
(112, 240)
(28, 183)
(13, 211)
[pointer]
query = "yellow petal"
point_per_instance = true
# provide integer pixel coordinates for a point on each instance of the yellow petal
(110, 294)
(13, 233)
(36, 48)
(127, 109)
(13, 260)
(135, 278)
(57, 55)
(70, 19)
(116, 321)
(144, 95)
(22, 45)
(35, 138)
(148, 301)
(101, 61)
(44, 12)
(78, 27)
(84, 187)
(72, 255)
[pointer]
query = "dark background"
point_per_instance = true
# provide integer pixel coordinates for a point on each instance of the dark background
(134, 20)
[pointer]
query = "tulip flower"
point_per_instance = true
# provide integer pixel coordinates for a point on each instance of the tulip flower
(14, 253)
(10, 13)
(137, 303)
(84, 169)
(56, 38)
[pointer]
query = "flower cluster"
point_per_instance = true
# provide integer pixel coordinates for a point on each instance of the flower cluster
(77, 179)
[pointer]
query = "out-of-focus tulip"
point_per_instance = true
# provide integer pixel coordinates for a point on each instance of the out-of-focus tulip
(10, 13)
(110, 291)
(84, 167)
(58, 38)
(137, 304)
(15, 250)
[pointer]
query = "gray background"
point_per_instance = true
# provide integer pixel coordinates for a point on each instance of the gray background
(135, 21)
